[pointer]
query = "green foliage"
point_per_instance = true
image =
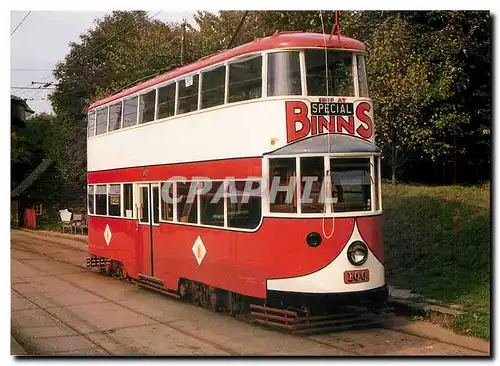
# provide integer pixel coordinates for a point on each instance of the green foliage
(419, 238)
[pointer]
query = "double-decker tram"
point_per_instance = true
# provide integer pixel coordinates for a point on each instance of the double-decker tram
(247, 181)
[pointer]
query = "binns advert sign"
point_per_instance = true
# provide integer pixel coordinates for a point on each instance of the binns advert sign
(337, 115)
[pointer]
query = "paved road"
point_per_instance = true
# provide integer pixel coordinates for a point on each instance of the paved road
(61, 308)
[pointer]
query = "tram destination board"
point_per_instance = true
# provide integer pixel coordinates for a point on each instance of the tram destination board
(332, 109)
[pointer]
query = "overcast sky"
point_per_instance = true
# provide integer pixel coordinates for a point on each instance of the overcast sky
(43, 40)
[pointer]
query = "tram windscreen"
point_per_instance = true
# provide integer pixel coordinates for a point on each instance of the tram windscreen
(351, 184)
(340, 77)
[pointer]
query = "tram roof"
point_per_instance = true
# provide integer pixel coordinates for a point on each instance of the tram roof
(277, 41)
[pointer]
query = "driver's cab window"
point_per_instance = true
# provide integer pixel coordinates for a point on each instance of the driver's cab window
(282, 180)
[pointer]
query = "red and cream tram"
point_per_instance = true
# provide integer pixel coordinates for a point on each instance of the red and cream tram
(280, 109)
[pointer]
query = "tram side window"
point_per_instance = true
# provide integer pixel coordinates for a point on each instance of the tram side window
(91, 124)
(101, 200)
(212, 204)
(282, 178)
(187, 203)
(283, 75)
(130, 112)
(351, 184)
(90, 199)
(128, 200)
(114, 200)
(166, 101)
(245, 79)
(167, 205)
(312, 171)
(213, 87)
(147, 106)
(115, 116)
(362, 79)
(187, 100)
(340, 78)
(244, 205)
(101, 121)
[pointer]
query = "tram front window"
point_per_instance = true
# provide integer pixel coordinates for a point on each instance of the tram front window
(340, 77)
(351, 184)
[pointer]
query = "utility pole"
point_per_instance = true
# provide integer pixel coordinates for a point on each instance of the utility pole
(183, 39)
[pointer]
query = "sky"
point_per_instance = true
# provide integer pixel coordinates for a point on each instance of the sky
(43, 39)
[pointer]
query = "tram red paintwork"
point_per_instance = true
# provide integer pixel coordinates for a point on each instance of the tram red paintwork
(243, 262)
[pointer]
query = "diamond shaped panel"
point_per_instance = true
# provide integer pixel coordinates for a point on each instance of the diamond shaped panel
(199, 250)
(107, 235)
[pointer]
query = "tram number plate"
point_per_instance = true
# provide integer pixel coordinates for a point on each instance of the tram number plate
(357, 276)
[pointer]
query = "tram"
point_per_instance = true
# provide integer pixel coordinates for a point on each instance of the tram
(257, 125)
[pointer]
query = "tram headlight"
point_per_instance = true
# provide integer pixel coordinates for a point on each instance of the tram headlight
(313, 239)
(357, 253)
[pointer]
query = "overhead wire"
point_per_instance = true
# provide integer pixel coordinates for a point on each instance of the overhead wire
(20, 23)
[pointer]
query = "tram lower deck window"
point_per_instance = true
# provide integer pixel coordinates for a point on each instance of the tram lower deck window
(212, 204)
(114, 200)
(351, 184)
(282, 179)
(90, 199)
(244, 202)
(128, 200)
(101, 200)
(187, 202)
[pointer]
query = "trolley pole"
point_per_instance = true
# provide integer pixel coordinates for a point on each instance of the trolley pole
(183, 39)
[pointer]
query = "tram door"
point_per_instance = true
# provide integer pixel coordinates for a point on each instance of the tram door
(148, 216)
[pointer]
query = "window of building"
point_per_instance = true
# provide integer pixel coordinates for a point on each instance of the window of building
(351, 184)
(244, 204)
(38, 209)
(362, 79)
(282, 178)
(212, 204)
(101, 200)
(166, 199)
(147, 106)
(283, 74)
(213, 87)
(187, 202)
(90, 199)
(101, 121)
(245, 79)
(114, 200)
(312, 171)
(128, 200)
(187, 100)
(91, 124)
(115, 116)
(130, 112)
(340, 79)
(166, 101)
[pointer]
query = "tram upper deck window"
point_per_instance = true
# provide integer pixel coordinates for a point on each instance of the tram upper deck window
(245, 79)
(187, 99)
(166, 101)
(101, 121)
(147, 106)
(115, 116)
(340, 78)
(362, 79)
(283, 74)
(91, 124)
(130, 112)
(213, 84)
(351, 184)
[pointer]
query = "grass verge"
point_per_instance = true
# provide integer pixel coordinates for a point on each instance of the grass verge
(419, 239)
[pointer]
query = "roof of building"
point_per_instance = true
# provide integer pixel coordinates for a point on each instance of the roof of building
(22, 102)
(31, 178)
(277, 41)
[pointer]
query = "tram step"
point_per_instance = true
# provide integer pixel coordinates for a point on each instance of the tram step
(150, 279)
(156, 287)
